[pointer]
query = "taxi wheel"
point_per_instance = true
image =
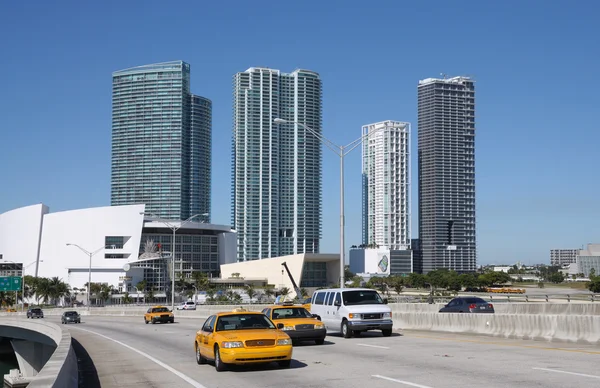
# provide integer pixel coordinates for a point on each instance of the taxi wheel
(219, 365)
(346, 332)
(145, 321)
(199, 359)
(153, 321)
(320, 341)
(285, 364)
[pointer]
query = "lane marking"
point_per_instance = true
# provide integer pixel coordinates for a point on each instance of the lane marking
(374, 346)
(505, 344)
(568, 373)
(186, 378)
(401, 381)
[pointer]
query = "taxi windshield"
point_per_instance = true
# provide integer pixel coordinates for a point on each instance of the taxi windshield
(284, 313)
(244, 321)
(160, 310)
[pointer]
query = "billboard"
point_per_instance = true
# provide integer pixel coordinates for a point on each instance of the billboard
(377, 261)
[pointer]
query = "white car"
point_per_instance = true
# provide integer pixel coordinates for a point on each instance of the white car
(189, 305)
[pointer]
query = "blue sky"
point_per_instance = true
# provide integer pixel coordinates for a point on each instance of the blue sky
(535, 63)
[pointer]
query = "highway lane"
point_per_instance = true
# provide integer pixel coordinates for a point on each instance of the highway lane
(417, 359)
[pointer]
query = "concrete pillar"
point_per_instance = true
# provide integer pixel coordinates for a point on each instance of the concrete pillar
(31, 356)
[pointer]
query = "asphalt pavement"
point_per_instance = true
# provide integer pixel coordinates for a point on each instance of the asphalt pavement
(124, 352)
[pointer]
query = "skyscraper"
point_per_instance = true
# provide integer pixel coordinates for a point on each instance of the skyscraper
(276, 177)
(446, 117)
(161, 141)
(386, 184)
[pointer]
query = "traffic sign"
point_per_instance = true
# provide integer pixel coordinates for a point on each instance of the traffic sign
(11, 283)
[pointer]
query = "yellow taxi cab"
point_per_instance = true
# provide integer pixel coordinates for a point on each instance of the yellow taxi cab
(306, 304)
(242, 337)
(298, 323)
(159, 314)
(11, 310)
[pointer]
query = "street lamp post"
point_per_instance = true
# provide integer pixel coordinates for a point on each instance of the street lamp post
(90, 254)
(174, 229)
(340, 151)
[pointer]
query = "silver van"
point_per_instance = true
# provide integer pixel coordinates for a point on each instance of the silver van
(352, 311)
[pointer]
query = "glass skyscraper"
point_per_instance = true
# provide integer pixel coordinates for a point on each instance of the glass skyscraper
(386, 180)
(161, 142)
(276, 177)
(446, 117)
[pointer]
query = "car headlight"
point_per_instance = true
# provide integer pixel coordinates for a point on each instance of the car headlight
(282, 342)
(232, 344)
(286, 328)
(354, 316)
(319, 326)
(387, 315)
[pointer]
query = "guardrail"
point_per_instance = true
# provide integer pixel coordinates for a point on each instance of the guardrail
(498, 298)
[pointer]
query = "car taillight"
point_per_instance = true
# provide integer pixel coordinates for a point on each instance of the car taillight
(491, 306)
(472, 306)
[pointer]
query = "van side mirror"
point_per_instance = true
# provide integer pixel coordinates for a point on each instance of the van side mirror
(280, 326)
(337, 303)
(385, 301)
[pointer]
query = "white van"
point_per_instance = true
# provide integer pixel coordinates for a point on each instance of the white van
(352, 311)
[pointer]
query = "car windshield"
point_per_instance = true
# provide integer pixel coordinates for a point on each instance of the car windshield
(36, 310)
(361, 297)
(244, 321)
(291, 313)
(474, 300)
(71, 313)
(160, 310)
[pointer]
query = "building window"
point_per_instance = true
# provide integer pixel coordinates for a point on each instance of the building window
(114, 242)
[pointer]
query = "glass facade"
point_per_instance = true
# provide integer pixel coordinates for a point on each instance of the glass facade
(446, 117)
(161, 141)
(314, 274)
(276, 188)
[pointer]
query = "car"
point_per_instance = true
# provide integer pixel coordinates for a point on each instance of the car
(159, 314)
(189, 305)
(35, 312)
(468, 304)
(352, 311)
(242, 337)
(70, 316)
(298, 323)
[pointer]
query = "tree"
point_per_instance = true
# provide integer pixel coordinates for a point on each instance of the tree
(201, 280)
(284, 291)
(347, 273)
(556, 277)
(251, 291)
(415, 280)
(396, 283)
(126, 298)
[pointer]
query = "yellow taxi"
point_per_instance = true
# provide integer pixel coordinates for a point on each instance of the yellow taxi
(242, 337)
(11, 310)
(298, 323)
(159, 314)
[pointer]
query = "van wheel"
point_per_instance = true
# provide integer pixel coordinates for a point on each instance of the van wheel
(386, 332)
(346, 332)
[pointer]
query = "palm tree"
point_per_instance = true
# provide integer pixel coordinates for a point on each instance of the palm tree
(201, 280)
(150, 294)
(126, 298)
(284, 291)
(269, 292)
(251, 291)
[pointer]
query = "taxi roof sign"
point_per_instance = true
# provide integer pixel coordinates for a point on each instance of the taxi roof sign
(239, 310)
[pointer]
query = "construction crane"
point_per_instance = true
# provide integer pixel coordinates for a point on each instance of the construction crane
(296, 288)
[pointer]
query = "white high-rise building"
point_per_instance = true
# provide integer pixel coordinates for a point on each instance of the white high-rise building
(386, 184)
(276, 177)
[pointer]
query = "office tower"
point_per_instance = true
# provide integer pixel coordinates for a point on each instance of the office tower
(446, 118)
(161, 142)
(276, 177)
(386, 180)
(560, 257)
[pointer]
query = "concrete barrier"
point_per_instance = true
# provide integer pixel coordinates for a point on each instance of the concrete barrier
(43, 349)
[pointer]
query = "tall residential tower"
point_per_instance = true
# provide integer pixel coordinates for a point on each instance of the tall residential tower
(386, 180)
(446, 118)
(276, 177)
(161, 142)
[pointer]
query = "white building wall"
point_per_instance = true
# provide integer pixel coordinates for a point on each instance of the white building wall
(20, 235)
(88, 229)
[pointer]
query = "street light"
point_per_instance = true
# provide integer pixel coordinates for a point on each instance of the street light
(90, 254)
(174, 229)
(340, 151)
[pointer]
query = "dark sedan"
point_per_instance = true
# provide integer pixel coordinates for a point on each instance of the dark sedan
(468, 304)
(70, 316)
(35, 313)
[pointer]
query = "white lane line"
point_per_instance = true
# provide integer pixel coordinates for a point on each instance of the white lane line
(186, 378)
(568, 373)
(373, 346)
(401, 381)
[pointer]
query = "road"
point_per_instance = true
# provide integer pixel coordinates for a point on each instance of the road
(128, 353)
